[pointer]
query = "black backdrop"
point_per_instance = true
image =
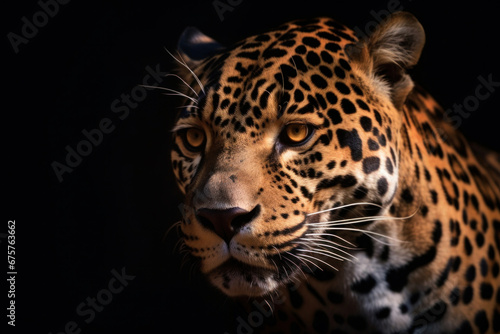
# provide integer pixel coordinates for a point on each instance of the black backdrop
(110, 213)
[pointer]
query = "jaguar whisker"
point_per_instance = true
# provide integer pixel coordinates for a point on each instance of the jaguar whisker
(303, 260)
(319, 260)
(289, 253)
(332, 235)
(325, 253)
(294, 65)
(369, 233)
(347, 221)
(173, 92)
(189, 106)
(178, 77)
(183, 63)
(310, 243)
(331, 242)
(355, 220)
(295, 264)
(175, 226)
(344, 206)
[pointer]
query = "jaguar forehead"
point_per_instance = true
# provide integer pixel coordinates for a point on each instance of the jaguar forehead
(262, 72)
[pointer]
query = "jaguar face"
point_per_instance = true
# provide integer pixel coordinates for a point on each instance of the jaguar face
(285, 136)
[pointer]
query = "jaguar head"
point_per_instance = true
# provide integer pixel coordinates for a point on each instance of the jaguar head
(287, 140)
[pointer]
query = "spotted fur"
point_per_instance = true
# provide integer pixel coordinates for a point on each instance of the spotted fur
(383, 220)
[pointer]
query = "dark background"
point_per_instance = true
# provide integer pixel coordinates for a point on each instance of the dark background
(113, 210)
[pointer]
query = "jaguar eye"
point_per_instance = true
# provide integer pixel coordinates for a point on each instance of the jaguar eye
(296, 134)
(194, 139)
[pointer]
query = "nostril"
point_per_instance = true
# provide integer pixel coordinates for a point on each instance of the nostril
(226, 223)
(241, 220)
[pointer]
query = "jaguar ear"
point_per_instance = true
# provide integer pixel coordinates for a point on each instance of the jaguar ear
(194, 46)
(388, 52)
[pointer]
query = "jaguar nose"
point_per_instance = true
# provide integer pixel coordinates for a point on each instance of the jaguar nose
(226, 223)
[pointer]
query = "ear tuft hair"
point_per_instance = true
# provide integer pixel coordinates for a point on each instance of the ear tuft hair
(394, 47)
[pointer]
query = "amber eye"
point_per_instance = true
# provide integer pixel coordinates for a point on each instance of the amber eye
(194, 139)
(296, 133)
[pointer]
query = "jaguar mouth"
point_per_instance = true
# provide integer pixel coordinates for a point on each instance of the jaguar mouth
(236, 278)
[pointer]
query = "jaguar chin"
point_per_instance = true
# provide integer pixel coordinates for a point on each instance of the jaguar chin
(236, 279)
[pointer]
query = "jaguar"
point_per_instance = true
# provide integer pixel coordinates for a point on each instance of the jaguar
(321, 182)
